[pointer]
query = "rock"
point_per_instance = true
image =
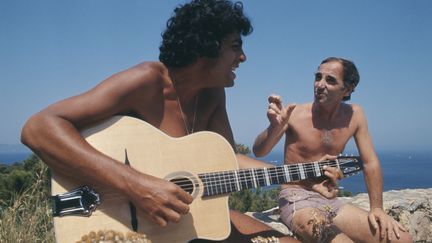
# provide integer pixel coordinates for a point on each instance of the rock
(271, 218)
(411, 207)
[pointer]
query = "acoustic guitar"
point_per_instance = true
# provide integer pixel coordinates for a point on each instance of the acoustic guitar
(203, 164)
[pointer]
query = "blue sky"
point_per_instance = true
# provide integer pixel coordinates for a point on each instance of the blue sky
(54, 49)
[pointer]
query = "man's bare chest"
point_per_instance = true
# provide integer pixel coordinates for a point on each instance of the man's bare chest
(312, 141)
(176, 121)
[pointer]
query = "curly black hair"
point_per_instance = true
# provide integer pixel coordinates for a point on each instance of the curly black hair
(197, 29)
(351, 76)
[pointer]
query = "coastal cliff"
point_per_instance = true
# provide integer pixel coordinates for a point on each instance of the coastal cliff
(411, 207)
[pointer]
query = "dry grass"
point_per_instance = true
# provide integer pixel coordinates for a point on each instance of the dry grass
(27, 216)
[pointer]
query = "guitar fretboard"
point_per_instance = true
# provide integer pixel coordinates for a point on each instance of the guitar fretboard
(224, 182)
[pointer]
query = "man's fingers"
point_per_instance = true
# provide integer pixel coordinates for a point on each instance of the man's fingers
(384, 227)
(333, 173)
(325, 188)
(332, 177)
(328, 157)
(396, 231)
(336, 172)
(289, 109)
(388, 228)
(272, 114)
(400, 227)
(172, 216)
(275, 99)
(182, 204)
(180, 207)
(275, 107)
(169, 214)
(389, 231)
(339, 173)
(397, 227)
(185, 197)
(372, 221)
(384, 232)
(159, 220)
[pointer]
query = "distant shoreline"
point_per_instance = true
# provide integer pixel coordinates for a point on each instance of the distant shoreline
(8, 158)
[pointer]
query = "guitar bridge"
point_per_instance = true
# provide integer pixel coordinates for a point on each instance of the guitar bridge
(81, 201)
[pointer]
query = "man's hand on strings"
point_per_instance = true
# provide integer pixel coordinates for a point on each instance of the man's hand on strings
(328, 186)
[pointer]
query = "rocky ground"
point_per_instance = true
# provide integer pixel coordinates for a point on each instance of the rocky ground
(411, 207)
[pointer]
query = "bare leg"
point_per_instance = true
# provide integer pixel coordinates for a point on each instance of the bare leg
(354, 223)
(312, 225)
(245, 228)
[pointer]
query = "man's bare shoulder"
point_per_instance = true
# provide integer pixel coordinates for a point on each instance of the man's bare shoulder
(151, 67)
(302, 110)
(147, 73)
(300, 115)
(358, 117)
(306, 106)
(356, 109)
(131, 88)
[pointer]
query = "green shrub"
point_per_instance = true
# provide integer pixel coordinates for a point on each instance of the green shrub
(25, 216)
(254, 200)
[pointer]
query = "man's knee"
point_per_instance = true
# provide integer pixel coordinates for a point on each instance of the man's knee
(311, 224)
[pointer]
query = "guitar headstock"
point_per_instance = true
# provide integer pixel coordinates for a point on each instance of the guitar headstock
(350, 165)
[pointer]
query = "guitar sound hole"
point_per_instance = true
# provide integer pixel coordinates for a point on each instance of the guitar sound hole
(185, 183)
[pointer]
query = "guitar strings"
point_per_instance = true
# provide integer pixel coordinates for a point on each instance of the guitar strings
(291, 168)
(274, 171)
(278, 171)
(218, 181)
(227, 178)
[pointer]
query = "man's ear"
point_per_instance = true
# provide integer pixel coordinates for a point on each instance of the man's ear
(348, 90)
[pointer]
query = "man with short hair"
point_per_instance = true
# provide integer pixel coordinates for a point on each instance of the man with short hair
(322, 128)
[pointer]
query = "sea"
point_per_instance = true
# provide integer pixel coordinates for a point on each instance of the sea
(401, 170)
(9, 158)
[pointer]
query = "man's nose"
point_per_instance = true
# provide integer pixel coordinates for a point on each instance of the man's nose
(320, 83)
(242, 57)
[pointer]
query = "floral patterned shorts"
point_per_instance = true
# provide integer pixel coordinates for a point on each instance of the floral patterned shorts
(292, 199)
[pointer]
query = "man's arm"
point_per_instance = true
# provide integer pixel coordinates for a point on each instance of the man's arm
(219, 123)
(54, 135)
(372, 168)
(373, 179)
(278, 117)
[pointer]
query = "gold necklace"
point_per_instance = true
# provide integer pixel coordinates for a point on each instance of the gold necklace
(183, 115)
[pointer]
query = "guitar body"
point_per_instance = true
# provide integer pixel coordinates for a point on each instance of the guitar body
(148, 150)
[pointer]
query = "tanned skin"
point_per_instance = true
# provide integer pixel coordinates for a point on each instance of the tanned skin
(322, 128)
(149, 92)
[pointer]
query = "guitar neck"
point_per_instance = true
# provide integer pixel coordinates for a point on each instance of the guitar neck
(217, 183)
